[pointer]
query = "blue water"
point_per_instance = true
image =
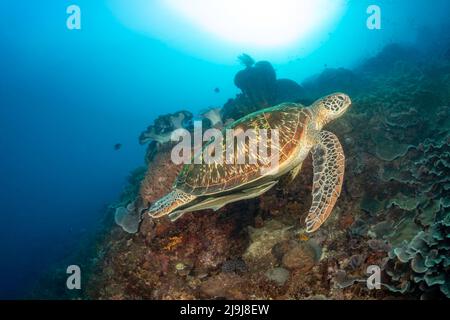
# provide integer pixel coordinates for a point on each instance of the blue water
(66, 97)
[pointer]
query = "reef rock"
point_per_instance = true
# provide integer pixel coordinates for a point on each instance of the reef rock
(161, 174)
(301, 257)
(223, 285)
(262, 241)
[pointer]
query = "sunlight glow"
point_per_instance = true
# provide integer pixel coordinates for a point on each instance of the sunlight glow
(259, 23)
(220, 29)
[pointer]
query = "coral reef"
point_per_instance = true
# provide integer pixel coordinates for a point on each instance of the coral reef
(419, 261)
(260, 89)
(288, 90)
(393, 211)
(258, 83)
(423, 265)
(332, 80)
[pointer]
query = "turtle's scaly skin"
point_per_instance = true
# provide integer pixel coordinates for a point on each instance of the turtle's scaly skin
(291, 121)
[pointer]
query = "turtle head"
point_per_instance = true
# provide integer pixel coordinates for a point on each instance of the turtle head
(331, 107)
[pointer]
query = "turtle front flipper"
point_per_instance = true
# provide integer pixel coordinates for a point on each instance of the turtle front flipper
(328, 163)
(169, 203)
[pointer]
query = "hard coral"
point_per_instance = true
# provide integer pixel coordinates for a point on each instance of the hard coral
(420, 264)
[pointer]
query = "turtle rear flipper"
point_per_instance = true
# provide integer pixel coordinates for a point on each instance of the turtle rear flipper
(169, 203)
(328, 164)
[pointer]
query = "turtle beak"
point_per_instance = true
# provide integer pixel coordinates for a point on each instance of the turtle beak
(346, 102)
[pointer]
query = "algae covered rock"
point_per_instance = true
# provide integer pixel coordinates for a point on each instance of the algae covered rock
(223, 285)
(262, 240)
(302, 257)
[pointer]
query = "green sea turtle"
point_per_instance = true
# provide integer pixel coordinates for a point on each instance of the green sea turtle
(211, 186)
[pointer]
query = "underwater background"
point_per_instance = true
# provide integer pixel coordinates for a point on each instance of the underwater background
(74, 108)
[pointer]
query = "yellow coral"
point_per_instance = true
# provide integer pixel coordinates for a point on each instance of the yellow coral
(303, 237)
(173, 242)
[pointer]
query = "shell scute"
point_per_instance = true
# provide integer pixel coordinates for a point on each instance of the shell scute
(289, 119)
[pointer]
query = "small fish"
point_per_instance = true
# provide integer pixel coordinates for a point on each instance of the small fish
(216, 90)
(117, 146)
